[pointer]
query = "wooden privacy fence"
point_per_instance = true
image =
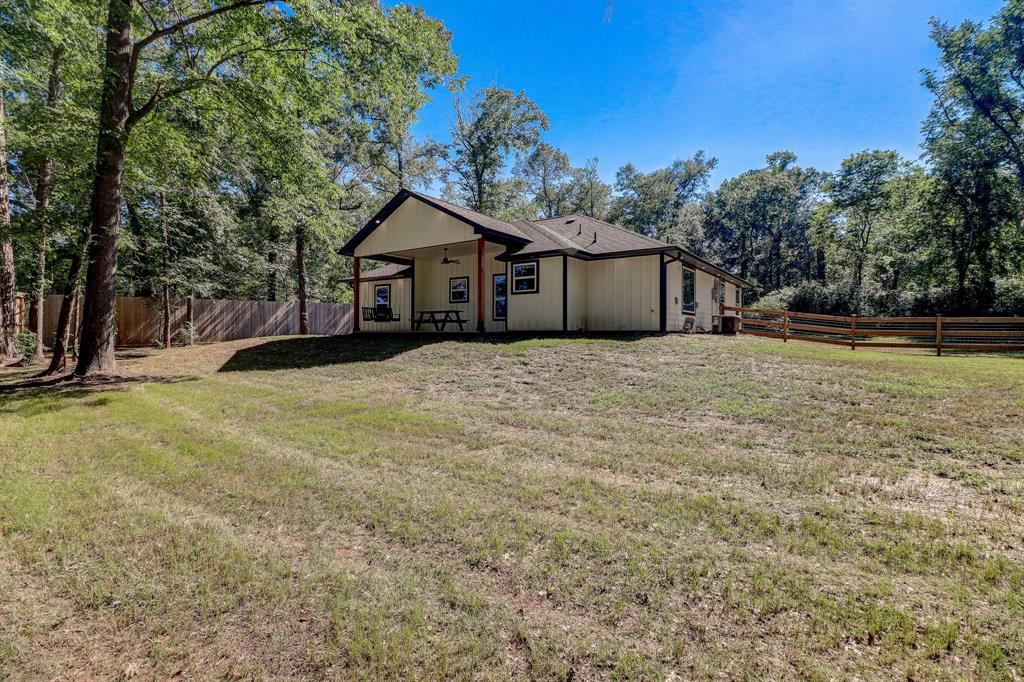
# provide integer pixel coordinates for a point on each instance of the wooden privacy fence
(139, 320)
(938, 332)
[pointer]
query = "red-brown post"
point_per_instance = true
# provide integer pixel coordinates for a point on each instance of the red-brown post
(853, 332)
(938, 334)
(480, 284)
(357, 312)
(785, 326)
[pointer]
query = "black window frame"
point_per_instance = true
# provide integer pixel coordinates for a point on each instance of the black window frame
(381, 286)
(535, 277)
(693, 302)
(452, 279)
(494, 296)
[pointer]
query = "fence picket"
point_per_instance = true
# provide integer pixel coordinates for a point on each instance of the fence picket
(139, 319)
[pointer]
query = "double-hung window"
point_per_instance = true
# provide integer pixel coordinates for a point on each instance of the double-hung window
(526, 277)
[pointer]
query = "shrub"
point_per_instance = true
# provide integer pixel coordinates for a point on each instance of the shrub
(26, 342)
(1009, 296)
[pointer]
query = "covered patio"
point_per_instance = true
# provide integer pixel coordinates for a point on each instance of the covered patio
(444, 272)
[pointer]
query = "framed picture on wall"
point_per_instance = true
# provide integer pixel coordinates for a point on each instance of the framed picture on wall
(382, 294)
(458, 289)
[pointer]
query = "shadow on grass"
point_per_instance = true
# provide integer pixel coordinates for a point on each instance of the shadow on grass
(318, 351)
(50, 394)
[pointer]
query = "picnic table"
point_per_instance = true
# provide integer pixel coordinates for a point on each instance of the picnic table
(439, 318)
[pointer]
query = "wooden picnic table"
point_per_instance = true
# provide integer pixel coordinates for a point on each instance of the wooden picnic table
(439, 318)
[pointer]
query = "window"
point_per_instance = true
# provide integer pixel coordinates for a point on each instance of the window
(689, 290)
(721, 293)
(382, 294)
(739, 303)
(525, 279)
(500, 296)
(458, 289)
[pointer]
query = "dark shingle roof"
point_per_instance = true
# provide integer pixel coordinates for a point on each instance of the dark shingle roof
(596, 237)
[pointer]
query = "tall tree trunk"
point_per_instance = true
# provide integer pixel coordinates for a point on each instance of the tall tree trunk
(96, 351)
(68, 303)
(8, 285)
(300, 267)
(43, 192)
(271, 274)
(166, 273)
(819, 261)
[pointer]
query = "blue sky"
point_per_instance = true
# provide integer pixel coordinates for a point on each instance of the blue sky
(738, 79)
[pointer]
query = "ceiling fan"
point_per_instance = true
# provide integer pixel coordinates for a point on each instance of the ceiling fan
(445, 260)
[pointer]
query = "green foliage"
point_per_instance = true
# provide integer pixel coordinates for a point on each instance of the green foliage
(655, 203)
(26, 342)
(759, 223)
(497, 123)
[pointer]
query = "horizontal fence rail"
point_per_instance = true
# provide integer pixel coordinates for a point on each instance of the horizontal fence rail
(139, 320)
(938, 332)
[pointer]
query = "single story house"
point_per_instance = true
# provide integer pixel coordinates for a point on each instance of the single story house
(449, 268)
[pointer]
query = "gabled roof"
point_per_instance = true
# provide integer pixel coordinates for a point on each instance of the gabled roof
(387, 271)
(495, 230)
(574, 235)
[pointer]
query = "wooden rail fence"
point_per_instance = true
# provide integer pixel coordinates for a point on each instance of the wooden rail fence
(139, 320)
(938, 332)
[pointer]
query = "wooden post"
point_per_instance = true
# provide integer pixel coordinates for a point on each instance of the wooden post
(480, 285)
(191, 319)
(938, 334)
(853, 332)
(357, 312)
(785, 326)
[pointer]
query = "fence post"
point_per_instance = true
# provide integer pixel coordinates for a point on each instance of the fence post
(853, 332)
(785, 326)
(938, 334)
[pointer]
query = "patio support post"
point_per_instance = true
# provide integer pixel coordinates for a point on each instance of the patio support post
(357, 312)
(480, 284)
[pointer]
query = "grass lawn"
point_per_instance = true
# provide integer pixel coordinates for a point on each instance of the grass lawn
(651, 507)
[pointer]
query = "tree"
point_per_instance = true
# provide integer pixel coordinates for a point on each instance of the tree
(545, 170)
(980, 70)
(859, 193)
(588, 193)
(759, 222)
(315, 52)
(652, 203)
(971, 200)
(498, 122)
(8, 285)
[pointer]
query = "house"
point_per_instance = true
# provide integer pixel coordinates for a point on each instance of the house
(445, 264)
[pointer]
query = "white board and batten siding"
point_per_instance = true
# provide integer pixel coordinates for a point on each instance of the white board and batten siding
(706, 305)
(401, 305)
(622, 294)
(577, 295)
(540, 310)
(674, 317)
(414, 225)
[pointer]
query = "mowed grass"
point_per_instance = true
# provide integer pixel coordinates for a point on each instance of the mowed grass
(626, 508)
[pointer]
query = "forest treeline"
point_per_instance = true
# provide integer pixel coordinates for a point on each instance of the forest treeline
(227, 149)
